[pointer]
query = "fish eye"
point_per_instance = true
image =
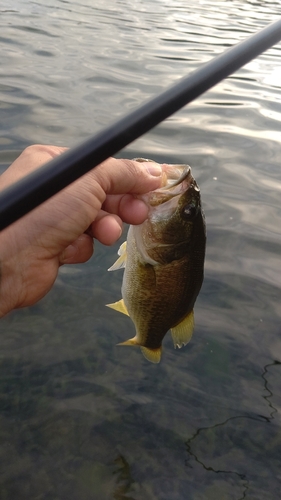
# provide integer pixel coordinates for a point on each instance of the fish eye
(189, 212)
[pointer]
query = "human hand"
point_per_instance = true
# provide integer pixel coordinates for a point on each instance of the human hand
(61, 230)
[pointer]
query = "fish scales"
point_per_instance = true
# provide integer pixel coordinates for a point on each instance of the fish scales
(153, 316)
(164, 260)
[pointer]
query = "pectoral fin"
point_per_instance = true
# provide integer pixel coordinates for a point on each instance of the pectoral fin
(182, 333)
(119, 306)
(121, 261)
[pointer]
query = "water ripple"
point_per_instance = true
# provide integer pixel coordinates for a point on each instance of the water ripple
(79, 416)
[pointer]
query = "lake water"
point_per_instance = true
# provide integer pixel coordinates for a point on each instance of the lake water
(82, 419)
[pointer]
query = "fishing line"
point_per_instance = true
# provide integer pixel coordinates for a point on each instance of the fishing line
(37, 187)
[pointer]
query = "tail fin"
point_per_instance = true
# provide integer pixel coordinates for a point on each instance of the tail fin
(152, 355)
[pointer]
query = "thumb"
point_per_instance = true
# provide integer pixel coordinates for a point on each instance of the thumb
(127, 176)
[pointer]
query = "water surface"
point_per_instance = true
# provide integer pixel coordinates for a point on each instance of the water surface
(81, 418)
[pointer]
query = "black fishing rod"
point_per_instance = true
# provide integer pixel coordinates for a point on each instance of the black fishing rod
(37, 187)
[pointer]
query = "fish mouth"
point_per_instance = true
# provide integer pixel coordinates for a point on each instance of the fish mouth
(176, 181)
(165, 206)
(174, 175)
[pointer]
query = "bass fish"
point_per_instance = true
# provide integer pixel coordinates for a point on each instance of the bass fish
(164, 264)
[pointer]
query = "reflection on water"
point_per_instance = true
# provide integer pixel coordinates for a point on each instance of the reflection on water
(124, 478)
(218, 445)
(223, 473)
(80, 419)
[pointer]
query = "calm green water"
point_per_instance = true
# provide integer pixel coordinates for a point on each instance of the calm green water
(82, 419)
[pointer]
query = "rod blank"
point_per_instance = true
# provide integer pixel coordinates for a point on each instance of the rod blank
(37, 187)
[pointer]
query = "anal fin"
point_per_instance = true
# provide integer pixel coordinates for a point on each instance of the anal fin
(119, 306)
(132, 341)
(152, 355)
(182, 333)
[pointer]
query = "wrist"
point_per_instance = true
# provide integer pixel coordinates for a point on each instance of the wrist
(9, 278)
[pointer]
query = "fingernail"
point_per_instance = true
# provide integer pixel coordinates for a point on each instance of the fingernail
(154, 169)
